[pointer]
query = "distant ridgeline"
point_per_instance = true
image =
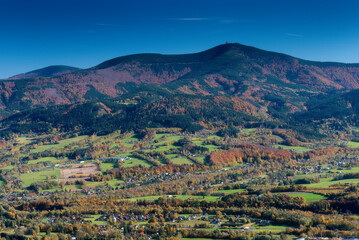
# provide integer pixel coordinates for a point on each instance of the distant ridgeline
(230, 85)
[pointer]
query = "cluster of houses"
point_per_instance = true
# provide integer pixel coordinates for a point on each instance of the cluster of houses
(92, 191)
(149, 178)
(18, 196)
(315, 169)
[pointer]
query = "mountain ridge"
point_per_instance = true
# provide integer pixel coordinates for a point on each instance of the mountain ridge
(50, 71)
(118, 60)
(228, 69)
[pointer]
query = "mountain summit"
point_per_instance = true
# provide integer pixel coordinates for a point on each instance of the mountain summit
(233, 69)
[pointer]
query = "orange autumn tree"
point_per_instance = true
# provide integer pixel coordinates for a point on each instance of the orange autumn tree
(250, 153)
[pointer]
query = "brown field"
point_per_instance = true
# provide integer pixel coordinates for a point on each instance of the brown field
(78, 169)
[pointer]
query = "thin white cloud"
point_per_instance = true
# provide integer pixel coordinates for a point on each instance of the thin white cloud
(219, 20)
(294, 35)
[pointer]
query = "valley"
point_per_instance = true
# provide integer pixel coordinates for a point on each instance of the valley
(124, 183)
(230, 143)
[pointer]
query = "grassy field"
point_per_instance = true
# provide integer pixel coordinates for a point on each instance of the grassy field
(9, 167)
(180, 160)
(298, 149)
(24, 140)
(214, 137)
(211, 147)
(135, 161)
(93, 184)
(103, 139)
(272, 228)
(60, 145)
(127, 141)
(200, 159)
(309, 197)
(107, 166)
(249, 130)
(93, 220)
(163, 145)
(29, 178)
(230, 191)
(323, 175)
(352, 144)
(162, 148)
(352, 170)
(326, 182)
(45, 159)
(171, 138)
(114, 182)
(197, 142)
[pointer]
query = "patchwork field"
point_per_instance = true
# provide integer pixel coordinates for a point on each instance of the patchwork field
(171, 166)
(74, 172)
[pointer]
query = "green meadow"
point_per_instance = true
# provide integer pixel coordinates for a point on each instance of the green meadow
(298, 149)
(29, 178)
(352, 144)
(230, 191)
(60, 145)
(45, 159)
(309, 197)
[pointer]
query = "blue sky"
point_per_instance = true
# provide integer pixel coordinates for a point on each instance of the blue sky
(83, 33)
